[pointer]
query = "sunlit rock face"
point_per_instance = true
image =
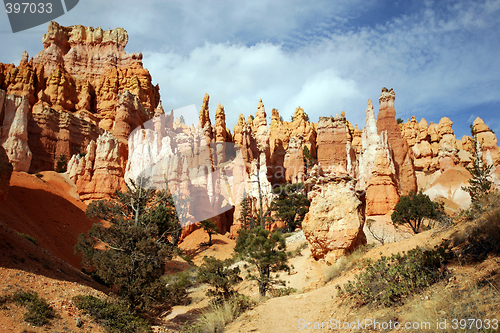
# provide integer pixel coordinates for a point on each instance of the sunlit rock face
(334, 224)
(377, 173)
(84, 97)
(403, 157)
(81, 84)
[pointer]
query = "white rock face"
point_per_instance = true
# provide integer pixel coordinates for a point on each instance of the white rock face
(14, 130)
(203, 186)
(374, 147)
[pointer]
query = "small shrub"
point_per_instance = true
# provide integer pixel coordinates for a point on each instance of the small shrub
(186, 258)
(62, 164)
(219, 315)
(115, 317)
(39, 175)
(3, 301)
(298, 251)
(280, 292)
(479, 239)
(390, 279)
(28, 237)
(39, 311)
(177, 285)
(220, 277)
(413, 208)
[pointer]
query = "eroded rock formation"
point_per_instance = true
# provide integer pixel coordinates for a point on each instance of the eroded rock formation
(82, 84)
(403, 159)
(377, 172)
(334, 224)
(99, 172)
(14, 111)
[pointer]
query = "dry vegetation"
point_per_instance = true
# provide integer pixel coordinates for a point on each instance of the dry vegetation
(467, 286)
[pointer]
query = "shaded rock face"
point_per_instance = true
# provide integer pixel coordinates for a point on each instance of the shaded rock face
(5, 173)
(287, 141)
(334, 224)
(403, 159)
(52, 133)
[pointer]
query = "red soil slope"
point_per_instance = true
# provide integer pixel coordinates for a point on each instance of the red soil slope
(47, 209)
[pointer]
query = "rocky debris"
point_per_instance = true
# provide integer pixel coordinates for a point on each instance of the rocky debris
(377, 173)
(333, 226)
(403, 157)
(14, 112)
(5, 173)
(296, 237)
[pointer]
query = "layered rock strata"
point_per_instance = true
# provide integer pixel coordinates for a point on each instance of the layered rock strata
(82, 84)
(403, 157)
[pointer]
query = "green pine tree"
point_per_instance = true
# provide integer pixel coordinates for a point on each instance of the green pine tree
(413, 208)
(129, 252)
(221, 278)
(211, 228)
(290, 205)
(480, 183)
(62, 164)
(267, 252)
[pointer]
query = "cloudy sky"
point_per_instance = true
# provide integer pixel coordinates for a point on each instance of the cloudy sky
(441, 57)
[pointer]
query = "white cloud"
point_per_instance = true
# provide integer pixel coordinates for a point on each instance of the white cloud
(327, 57)
(435, 61)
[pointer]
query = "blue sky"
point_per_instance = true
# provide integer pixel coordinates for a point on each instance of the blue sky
(441, 57)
